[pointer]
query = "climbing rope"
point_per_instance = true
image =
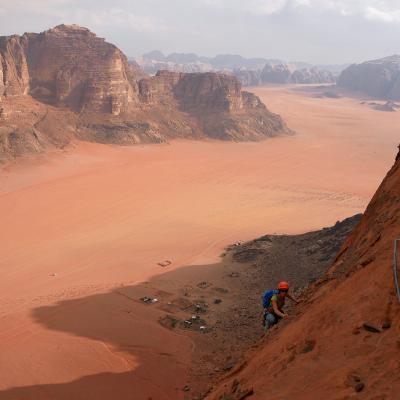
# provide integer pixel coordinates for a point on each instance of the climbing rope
(396, 278)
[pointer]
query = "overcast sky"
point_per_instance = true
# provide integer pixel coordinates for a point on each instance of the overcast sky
(318, 31)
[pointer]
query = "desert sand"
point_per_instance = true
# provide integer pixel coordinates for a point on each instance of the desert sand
(80, 226)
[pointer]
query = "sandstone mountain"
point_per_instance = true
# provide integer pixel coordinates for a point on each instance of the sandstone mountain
(283, 74)
(280, 73)
(154, 61)
(286, 73)
(343, 342)
(67, 83)
(249, 71)
(312, 75)
(377, 78)
(248, 77)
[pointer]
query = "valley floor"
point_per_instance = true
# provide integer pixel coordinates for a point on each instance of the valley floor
(82, 228)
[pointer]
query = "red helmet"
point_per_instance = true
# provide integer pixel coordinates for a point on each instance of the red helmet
(283, 286)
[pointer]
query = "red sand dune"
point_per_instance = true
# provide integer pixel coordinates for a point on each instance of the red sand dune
(79, 224)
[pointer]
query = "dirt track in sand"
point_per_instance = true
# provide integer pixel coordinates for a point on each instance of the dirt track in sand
(78, 225)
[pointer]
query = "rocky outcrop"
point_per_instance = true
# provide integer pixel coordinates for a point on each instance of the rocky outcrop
(105, 98)
(377, 78)
(68, 66)
(159, 88)
(208, 92)
(216, 102)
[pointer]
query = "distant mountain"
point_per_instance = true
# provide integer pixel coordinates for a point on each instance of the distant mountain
(231, 62)
(189, 62)
(155, 61)
(378, 78)
(184, 58)
(284, 74)
(154, 55)
(336, 69)
(312, 75)
(250, 71)
(280, 73)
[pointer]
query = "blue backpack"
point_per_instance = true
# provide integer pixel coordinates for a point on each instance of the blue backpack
(267, 297)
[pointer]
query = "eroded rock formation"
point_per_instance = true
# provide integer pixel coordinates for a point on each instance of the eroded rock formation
(377, 78)
(284, 74)
(68, 66)
(248, 77)
(312, 75)
(215, 101)
(69, 74)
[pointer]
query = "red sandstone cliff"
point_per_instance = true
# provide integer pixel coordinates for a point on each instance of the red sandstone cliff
(344, 341)
(215, 102)
(69, 66)
(68, 80)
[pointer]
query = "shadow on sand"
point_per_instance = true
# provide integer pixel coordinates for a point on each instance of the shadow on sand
(157, 366)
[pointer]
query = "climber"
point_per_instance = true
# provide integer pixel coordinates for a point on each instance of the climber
(273, 302)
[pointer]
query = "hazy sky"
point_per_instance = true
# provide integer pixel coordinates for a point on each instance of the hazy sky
(318, 31)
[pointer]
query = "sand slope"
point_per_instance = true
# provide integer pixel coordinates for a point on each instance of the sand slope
(77, 225)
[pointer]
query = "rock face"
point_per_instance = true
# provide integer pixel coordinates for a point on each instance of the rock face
(105, 98)
(209, 92)
(377, 78)
(14, 71)
(68, 66)
(215, 101)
